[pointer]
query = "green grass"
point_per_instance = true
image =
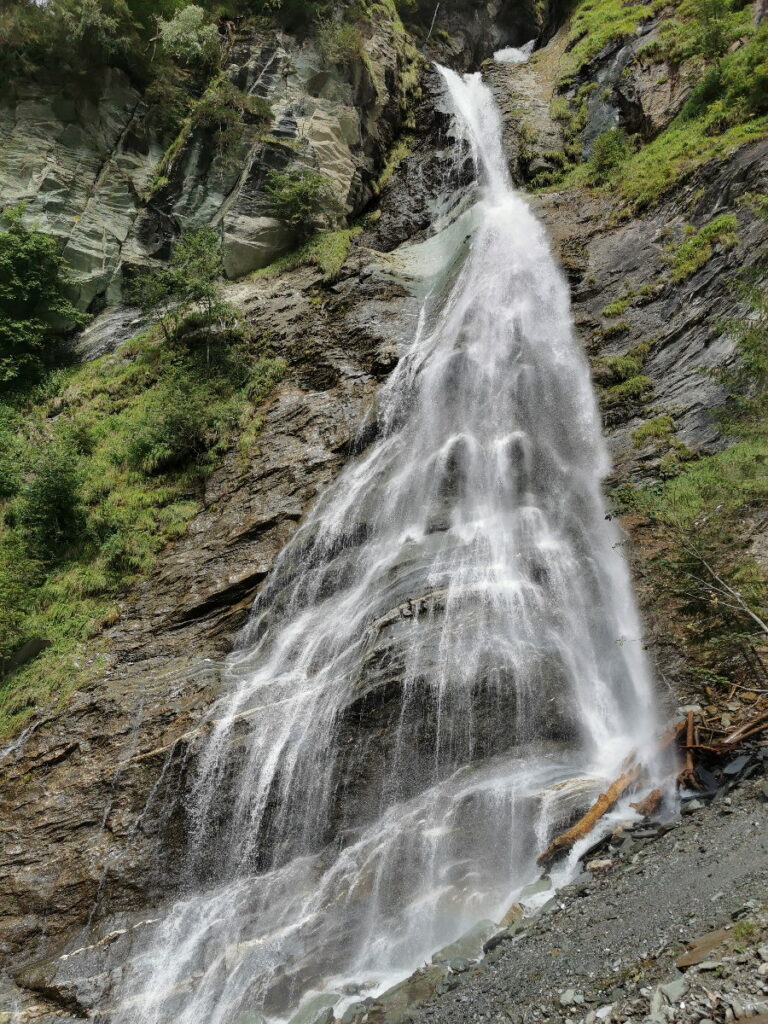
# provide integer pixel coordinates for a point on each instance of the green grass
(124, 423)
(619, 369)
(660, 428)
(730, 480)
(697, 248)
(596, 23)
(660, 165)
(401, 149)
(703, 510)
(327, 250)
(635, 388)
(728, 106)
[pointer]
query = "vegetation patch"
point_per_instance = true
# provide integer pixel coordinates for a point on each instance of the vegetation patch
(727, 108)
(700, 511)
(102, 464)
(633, 389)
(301, 197)
(599, 23)
(327, 250)
(34, 308)
(698, 245)
(660, 428)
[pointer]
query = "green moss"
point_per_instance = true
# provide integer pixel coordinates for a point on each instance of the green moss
(631, 297)
(614, 330)
(618, 369)
(619, 306)
(327, 250)
(633, 389)
(401, 149)
(658, 429)
(697, 248)
(757, 202)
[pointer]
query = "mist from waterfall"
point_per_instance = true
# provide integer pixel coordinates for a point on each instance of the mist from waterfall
(445, 662)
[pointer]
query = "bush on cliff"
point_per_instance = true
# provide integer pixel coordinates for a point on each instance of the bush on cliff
(34, 308)
(186, 292)
(301, 197)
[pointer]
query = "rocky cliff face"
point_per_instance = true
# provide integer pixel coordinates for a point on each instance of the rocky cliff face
(87, 789)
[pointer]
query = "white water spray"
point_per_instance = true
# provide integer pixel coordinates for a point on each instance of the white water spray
(444, 663)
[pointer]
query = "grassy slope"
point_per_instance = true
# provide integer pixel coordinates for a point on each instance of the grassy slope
(132, 435)
(703, 510)
(728, 106)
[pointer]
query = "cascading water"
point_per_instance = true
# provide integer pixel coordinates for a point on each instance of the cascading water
(444, 663)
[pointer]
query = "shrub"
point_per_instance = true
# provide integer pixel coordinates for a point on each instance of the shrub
(34, 309)
(188, 286)
(63, 39)
(340, 42)
(177, 424)
(48, 511)
(224, 110)
(696, 250)
(300, 197)
(609, 151)
(746, 383)
(189, 38)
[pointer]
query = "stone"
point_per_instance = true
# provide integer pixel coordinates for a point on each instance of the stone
(460, 964)
(469, 945)
(534, 888)
(402, 999)
(691, 806)
(317, 1009)
(602, 864)
(549, 907)
(737, 766)
(514, 913)
(250, 243)
(568, 997)
(674, 990)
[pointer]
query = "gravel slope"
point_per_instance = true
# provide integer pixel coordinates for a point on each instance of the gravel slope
(611, 943)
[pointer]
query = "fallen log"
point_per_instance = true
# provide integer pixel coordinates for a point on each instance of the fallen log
(687, 776)
(608, 799)
(601, 806)
(751, 728)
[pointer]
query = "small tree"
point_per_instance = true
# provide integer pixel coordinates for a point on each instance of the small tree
(48, 510)
(188, 290)
(224, 111)
(189, 38)
(34, 310)
(712, 24)
(301, 197)
(609, 150)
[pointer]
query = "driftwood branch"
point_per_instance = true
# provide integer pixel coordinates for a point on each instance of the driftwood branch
(601, 806)
(629, 776)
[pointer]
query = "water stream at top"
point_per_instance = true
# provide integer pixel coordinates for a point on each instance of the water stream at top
(445, 661)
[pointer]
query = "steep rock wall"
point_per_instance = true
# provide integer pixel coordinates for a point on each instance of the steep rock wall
(84, 790)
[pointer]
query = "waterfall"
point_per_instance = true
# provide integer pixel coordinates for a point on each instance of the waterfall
(444, 663)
